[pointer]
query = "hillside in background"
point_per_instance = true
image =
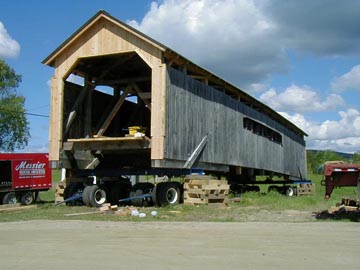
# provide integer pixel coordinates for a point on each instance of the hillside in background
(315, 158)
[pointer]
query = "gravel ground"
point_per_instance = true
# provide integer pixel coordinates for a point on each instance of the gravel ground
(179, 245)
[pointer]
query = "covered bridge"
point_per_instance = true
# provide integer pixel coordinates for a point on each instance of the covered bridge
(187, 116)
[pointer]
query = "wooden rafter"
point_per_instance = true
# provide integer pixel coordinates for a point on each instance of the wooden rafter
(123, 81)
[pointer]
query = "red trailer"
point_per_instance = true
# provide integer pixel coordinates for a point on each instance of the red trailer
(22, 176)
(340, 175)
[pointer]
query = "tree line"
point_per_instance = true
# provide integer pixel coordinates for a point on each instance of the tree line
(317, 158)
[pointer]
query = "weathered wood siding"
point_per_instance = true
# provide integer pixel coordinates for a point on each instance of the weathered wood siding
(195, 109)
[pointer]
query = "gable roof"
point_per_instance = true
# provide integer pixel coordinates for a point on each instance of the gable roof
(101, 14)
(98, 16)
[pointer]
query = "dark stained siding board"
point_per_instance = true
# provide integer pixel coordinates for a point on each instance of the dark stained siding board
(195, 109)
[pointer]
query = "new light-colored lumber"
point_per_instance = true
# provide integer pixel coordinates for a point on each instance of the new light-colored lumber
(18, 208)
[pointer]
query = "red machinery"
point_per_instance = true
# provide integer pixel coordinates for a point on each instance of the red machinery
(22, 176)
(340, 175)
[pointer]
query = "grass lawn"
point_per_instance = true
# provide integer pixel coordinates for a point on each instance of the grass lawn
(249, 204)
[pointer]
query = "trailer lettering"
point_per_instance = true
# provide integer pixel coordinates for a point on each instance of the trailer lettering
(25, 165)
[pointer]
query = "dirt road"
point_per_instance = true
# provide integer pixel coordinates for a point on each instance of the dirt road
(163, 245)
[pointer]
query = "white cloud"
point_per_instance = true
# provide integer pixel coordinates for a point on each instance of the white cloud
(8, 46)
(246, 41)
(300, 99)
(257, 87)
(348, 81)
(230, 38)
(340, 135)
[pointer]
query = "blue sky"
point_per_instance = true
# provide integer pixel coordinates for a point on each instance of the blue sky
(302, 58)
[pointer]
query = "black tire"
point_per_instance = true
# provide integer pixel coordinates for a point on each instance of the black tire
(153, 195)
(181, 189)
(118, 191)
(10, 198)
(138, 201)
(289, 191)
(167, 193)
(145, 188)
(27, 198)
(97, 196)
(71, 190)
(86, 195)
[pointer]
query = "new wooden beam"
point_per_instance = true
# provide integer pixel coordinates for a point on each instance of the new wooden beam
(88, 113)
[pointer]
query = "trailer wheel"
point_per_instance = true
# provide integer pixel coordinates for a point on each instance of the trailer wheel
(9, 198)
(118, 191)
(27, 198)
(167, 193)
(289, 191)
(86, 195)
(141, 189)
(138, 202)
(153, 195)
(97, 196)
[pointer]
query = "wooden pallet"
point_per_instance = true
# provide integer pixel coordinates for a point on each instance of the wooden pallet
(205, 191)
(305, 189)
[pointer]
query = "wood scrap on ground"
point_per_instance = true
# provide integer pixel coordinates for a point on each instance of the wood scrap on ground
(347, 209)
(16, 207)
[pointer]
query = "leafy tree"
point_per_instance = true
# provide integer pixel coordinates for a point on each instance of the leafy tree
(14, 127)
(317, 158)
(356, 158)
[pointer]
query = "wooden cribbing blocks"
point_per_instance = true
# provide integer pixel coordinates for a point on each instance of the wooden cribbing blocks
(204, 190)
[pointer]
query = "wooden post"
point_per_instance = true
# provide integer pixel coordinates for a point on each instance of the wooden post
(88, 112)
(88, 86)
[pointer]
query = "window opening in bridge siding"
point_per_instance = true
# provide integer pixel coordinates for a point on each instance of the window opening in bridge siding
(262, 130)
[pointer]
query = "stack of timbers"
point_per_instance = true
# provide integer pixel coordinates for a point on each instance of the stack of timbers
(305, 189)
(203, 190)
(346, 205)
(59, 192)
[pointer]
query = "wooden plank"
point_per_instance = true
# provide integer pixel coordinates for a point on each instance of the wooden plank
(110, 139)
(88, 112)
(196, 201)
(5, 206)
(158, 110)
(83, 213)
(18, 208)
(56, 121)
(108, 143)
(112, 114)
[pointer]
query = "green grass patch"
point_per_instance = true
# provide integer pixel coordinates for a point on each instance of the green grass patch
(252, 207)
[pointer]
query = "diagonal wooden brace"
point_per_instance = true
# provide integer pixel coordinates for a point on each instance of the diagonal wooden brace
(114, 111)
